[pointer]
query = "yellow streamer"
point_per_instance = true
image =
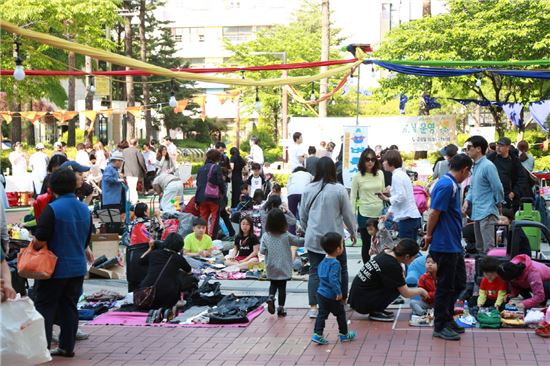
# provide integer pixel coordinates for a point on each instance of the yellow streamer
(140, 65)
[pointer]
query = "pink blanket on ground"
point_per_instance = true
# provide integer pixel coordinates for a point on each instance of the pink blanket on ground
(138, 319)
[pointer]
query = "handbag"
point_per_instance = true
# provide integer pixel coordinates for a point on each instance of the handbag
(36, 264)
(211, 190)
(144, 297)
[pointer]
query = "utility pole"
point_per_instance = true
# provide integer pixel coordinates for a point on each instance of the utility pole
(426, 8)
(143, 57)
(325, 52)
(129, 79)
(89, 99)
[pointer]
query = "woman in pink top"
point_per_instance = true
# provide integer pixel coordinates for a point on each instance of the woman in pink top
(527, 276)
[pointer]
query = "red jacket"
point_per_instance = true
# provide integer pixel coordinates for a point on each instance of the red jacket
(41, 202)
(427, 282)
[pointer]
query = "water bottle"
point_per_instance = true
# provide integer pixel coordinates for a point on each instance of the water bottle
(466, 308)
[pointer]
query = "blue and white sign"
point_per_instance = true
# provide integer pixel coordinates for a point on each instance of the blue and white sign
(355, 142)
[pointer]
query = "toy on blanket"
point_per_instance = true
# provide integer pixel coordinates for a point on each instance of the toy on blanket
(426, 320)
(512, 318)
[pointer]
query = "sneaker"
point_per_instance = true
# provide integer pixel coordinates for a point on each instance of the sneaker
(447, 334)
(381, 317)
(55, 338)
(281, 311)
(80, 335)
(389, 313)
(319, 339)
(312, 314)
(271, 304)
(347, 337)
(457, 328)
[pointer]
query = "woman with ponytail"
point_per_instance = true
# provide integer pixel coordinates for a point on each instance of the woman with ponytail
(381, 280)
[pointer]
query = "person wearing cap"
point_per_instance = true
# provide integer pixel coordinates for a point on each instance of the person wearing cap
(59, 149)
(485, 196)
(442, 167)
(111, 184)
(511, 174)
(85, 192)
(39, 165)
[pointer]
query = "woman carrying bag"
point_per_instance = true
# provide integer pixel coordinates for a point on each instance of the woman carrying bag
(166, 268)
(65, 227)
(364, 189)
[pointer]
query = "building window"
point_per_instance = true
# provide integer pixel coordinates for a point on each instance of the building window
(238, 34)
(196, 61)
(188, 35)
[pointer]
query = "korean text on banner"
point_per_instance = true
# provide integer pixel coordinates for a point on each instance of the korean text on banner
(355, 142)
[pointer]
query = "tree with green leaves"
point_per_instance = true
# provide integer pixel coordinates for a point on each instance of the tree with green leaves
(490, 30)
(82, 22)
(301, 41)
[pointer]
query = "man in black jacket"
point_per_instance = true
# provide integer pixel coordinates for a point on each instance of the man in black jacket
(511, 173)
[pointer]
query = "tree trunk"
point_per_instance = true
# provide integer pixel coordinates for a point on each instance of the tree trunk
(31, 140)
(89, 102)
(71, 133)
(16, 119)
(325, 52)
(143, 56)
(131, 123)
(426, 8)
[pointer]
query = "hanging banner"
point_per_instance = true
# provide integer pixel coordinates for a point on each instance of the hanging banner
(355, 141)
(90, 114)
(6, 116)
(102, 86)
(63, 115)
(428, 133)
(181, 105)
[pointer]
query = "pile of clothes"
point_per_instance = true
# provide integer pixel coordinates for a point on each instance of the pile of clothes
(98, 303)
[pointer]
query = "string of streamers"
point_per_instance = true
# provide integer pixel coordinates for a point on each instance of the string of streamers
(321, 98)
(152, 69)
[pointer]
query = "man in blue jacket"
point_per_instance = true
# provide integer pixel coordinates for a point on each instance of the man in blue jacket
(111, 184)
(65, 227)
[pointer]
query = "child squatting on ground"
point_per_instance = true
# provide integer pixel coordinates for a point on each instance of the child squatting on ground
(427, 281)
(492, 289)
(329, 293)
(275, 245)
(380, 237)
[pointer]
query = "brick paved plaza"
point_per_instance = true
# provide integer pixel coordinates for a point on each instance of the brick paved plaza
(284, 342)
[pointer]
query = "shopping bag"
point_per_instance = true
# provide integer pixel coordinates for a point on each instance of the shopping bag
(22, 334)
(544, 189)
(37, 264)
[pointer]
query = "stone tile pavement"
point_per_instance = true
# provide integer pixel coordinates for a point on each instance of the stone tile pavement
(269, 340)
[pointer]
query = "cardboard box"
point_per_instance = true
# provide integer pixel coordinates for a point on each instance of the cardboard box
(115, 273)
(105, 244)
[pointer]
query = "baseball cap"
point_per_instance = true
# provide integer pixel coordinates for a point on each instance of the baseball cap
(117, 155)
(75, 166)
(39, 146)
(504, 141)
(57, 144)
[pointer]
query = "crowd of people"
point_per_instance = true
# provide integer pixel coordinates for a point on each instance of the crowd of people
(317, 213)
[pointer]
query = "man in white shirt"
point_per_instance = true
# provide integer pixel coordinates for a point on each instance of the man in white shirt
(297, 153)
(39, 165)
(171, 148)
(151, 163)
(256, 152)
